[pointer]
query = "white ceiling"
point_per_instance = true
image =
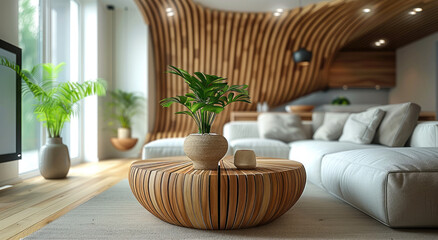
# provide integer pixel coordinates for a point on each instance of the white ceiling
(254, 5)
(232, 5)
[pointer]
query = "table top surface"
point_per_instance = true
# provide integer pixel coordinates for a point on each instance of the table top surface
(183, 165)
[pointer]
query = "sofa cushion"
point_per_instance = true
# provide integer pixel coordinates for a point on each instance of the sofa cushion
(280, 126)
(425, 135)
(397, 186)
(311, 152)
(241, 129)
(332, 126)
(317, 120)
(397, 124)
(361, 127)
(261, 147)
(166, 147)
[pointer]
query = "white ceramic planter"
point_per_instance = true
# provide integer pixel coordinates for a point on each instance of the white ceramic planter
(205, 150)
(54, 159)
(123, 133)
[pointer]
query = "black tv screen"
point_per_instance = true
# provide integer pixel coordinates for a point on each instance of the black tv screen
(10, 105)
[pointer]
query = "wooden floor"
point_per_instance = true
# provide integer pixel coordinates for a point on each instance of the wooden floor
(30, 205)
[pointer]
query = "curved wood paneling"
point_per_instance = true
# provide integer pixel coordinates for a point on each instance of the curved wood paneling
(251, 48)
(400, 30)
(178, 194)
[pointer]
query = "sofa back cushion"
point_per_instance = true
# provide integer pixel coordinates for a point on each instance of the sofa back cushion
(280, 126)
(241, 129)
(425, 135)
(332, 126)
(361, 127)
(397, 124)
(317, 120)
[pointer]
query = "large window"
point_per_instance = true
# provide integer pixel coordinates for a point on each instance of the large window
(64, 45)
(56, 34)
(31, 44)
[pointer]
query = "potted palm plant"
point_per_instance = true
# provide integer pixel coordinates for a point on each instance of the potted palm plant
(209, 96)
(55, 103)
(124, 106)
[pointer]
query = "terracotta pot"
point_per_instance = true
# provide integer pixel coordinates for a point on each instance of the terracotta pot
(245, 159)
(205, 150)
(54, 159)
(123, 133)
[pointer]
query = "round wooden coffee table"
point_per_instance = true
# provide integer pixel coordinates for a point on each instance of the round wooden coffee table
(228, 198)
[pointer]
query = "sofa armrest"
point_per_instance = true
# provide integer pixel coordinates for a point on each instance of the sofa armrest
(241, 129)
(425, 135)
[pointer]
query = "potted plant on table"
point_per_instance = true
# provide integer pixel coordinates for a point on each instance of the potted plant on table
(209, 97)
(124, 106)
(55, 103)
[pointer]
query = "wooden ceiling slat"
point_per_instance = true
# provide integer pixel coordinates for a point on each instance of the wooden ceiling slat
(399, 30)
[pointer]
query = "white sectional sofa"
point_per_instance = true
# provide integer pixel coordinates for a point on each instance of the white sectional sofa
(397, 186)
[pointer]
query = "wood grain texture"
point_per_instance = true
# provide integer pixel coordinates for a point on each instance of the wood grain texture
(252, 116)
(124, 144)
(363, 70)
(226, 199)
(34, 203)
(252, 48)
(399, 30)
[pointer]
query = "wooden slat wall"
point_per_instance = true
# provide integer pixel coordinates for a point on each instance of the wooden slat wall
(363, 70)
(251, 48)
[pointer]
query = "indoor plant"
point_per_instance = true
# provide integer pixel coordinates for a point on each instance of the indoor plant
(55, 103)
(209, 97)
(124, 106)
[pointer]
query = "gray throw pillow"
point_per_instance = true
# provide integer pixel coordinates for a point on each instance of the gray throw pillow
(331, 128)
(398, 124)
(361, 127)
(280, 126)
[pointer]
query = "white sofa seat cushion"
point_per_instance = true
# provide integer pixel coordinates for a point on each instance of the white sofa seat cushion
(397, 186)
(311, 152)
(261, 147)
(166, 147)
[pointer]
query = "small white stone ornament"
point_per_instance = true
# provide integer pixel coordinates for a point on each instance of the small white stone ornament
(245, 159)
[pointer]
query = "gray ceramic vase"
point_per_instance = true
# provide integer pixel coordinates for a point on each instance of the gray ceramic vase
(205, 150)
(54, 159)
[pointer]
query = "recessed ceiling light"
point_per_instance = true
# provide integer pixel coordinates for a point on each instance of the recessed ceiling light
(280, 10)
(169, 10)
(418, 9)
(380, 43)
(170, 14)
(366, 10)
(412, 12)
(277, 14)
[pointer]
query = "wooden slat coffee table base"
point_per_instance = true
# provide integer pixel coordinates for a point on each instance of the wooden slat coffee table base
(173, 191)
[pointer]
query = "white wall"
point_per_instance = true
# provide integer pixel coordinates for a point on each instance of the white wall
(130, 61)
(105, 71)
(9, 33)
(417, 74)
(123, 53)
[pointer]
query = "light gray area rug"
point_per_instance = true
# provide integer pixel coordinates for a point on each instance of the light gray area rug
(116, 214)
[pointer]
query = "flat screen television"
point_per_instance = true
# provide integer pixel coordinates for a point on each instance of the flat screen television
(10, 105)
